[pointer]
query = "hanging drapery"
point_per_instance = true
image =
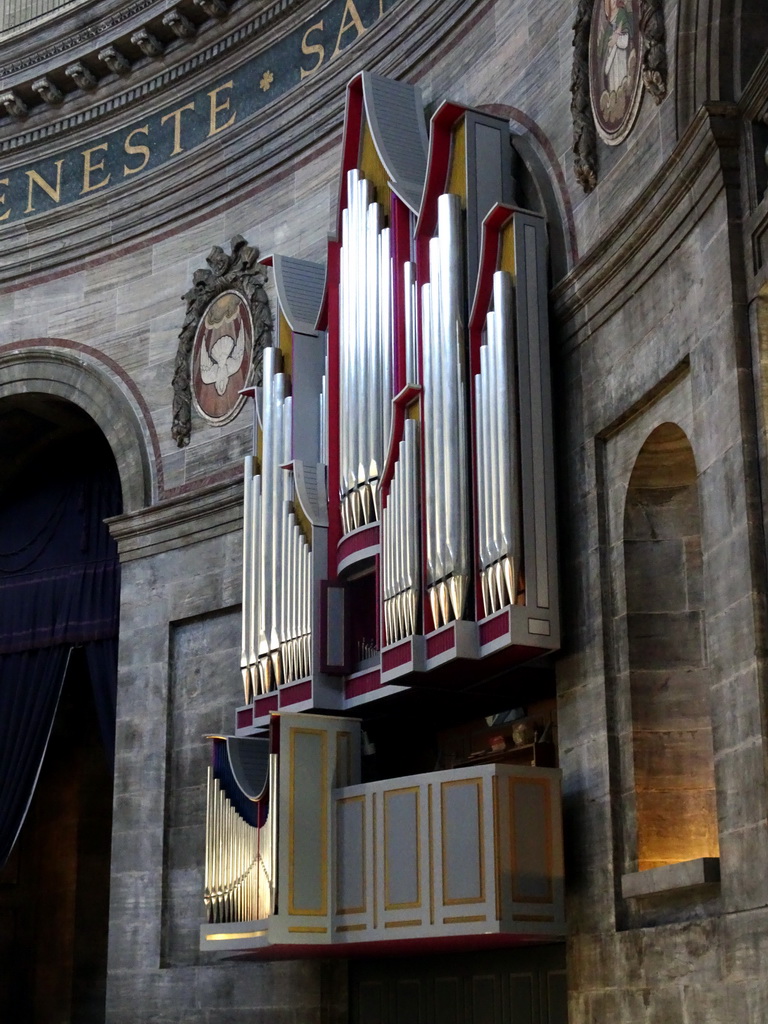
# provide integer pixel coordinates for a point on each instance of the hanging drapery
(59, 587)
(29, 696)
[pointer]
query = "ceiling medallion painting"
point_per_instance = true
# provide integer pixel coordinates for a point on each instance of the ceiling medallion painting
(614, 68)
(619, 47)
(221, 357)
(226, 327)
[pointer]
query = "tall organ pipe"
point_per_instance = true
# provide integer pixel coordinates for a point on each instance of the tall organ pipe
(448, 558)
(499, 536)
(365, 340)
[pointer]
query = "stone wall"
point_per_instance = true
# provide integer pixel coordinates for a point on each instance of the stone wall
(650, 327)
(656, 343)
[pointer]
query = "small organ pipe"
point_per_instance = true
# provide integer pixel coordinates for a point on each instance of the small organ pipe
(497, 446)
(239, 883)
(410, 306)
(400, 543)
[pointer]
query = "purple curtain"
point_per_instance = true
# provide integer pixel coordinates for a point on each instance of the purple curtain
(29, 696)
(59, 587)
(101, 656)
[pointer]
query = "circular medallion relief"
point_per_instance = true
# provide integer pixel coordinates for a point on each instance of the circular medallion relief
(221, 357)
(615, 81)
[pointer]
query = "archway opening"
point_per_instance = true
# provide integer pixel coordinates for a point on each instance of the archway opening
(676, 814)
(59, 584)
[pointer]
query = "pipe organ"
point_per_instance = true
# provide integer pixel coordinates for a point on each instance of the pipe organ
(399, 500)
(398, 532)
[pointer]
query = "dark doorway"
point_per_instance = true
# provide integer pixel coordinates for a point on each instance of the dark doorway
(54, 890)
(59, 583)
(514, 986)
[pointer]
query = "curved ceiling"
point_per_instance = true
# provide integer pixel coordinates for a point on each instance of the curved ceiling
(17, 14)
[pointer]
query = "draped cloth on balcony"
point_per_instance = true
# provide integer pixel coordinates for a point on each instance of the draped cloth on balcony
(59, 587)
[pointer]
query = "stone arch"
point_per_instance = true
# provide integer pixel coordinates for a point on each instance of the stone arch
(84, 377)
(540, 186)
(718, 48)
(675, 806)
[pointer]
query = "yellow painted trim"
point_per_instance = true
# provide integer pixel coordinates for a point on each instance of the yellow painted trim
(457, 170)
(518, 897)
(308, 930)
(496, 844)
(304, 524)
(342, 854)
(507, 249)
(411, 903)
(372, 169)
(467, 919)
(351, 927)
(478, 784)
(225, 936)
(375, 859)
(431, 857)
(285, 342)
(343, 757)
(402, 924)
(294, 911)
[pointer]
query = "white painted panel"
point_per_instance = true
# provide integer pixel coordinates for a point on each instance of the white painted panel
(351, 896)
(402, 840)
(462, 841)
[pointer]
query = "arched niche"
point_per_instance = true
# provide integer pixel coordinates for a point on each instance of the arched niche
(78, 375)
(539, 186)
(58, 652)
(676, 814)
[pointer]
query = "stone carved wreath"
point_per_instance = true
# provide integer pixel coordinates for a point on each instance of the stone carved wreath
(608, 48)
(227, 325)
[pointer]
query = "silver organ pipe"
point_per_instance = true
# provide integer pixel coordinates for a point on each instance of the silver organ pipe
(365, 352)
(277, 595)
(400, 541)
(411, 310)
(323, 402)
(445, 441)
(245, 663)
(239, 860)
(499, 534)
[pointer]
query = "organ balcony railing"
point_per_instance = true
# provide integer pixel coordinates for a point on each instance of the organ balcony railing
(302, 859)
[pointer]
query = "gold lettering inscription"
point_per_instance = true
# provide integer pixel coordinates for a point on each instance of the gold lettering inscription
(216, 107)
(176, 116)
(7, 214)
(317, 48)
(347, 24)
(89, 168)
(132, 150)
(54, 191)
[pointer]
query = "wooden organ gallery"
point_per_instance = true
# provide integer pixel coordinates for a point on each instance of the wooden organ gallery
(399, 541)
